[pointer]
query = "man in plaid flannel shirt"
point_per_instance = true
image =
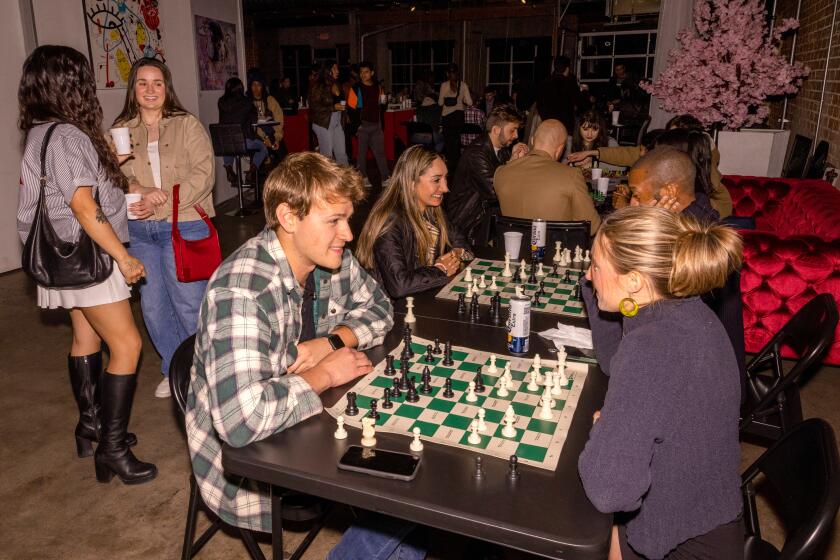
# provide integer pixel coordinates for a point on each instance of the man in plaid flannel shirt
(278, 326)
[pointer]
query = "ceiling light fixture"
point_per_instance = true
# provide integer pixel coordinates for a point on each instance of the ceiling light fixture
(412, 8)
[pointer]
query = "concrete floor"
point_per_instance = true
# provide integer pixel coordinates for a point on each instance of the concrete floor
(53, 508)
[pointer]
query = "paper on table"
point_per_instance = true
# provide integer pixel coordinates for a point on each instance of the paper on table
(567, 335)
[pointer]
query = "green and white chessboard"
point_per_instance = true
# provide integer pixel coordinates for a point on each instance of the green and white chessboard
(559, 300)
(446, 420)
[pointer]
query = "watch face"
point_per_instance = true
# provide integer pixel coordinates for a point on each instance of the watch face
(335, 341)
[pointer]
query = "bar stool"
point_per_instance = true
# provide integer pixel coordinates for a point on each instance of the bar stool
(229, 141)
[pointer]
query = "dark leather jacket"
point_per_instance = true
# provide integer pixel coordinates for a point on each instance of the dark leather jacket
(473, 184)
(238, 109)
(397, 268)
(321, 105)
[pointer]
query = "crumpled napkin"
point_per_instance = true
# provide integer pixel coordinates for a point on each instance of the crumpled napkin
(567, 335)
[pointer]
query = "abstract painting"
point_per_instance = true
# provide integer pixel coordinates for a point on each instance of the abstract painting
(215, 46)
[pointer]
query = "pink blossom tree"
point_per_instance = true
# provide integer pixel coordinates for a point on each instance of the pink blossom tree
(727, 66)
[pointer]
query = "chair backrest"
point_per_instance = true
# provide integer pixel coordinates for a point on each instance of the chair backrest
(228, 140)
(798, 157)
(642, 130)
(179, 372)
(571, 234)
(816, 164)
(803, 469)
(809, 333)
(414, 130)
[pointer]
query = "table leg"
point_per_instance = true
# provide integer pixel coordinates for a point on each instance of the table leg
(276, 523)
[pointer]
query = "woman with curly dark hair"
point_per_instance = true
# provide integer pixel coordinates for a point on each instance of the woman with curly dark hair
(57, 96)
(171, 147)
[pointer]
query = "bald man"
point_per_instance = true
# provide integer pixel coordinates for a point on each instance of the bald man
(665, 177)
(538, 186)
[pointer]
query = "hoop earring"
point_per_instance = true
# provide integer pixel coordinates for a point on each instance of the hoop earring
(634, 307)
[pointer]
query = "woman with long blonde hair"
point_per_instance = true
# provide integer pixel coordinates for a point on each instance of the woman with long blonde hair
(407, 242)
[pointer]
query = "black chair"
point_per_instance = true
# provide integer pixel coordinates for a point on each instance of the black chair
(571, 234)
(229, 141)
(816, 164)
(798, 158)
(772, 406)
(296, 507)
(802, 469)
(631, 133)
(420, 133)
(472, 129)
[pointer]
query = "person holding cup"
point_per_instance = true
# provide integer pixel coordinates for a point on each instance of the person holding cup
(84, 191)
(407, 242)
(366, 97)
(325, 112)
(171, 147)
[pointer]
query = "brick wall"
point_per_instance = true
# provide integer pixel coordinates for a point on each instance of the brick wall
(812, 49)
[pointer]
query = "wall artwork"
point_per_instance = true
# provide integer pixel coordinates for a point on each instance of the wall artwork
(119, 32)
(215, 45)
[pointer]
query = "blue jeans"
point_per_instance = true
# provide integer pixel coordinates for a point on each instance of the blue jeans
(170, 308)
(378, 537)
(331, 139)
(258, 158)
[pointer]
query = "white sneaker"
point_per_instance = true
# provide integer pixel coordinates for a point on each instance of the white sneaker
(162, 390)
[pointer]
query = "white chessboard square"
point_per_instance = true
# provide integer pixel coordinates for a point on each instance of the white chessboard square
(451, 435)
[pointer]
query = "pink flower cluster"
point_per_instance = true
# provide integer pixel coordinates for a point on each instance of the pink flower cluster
(727, 66)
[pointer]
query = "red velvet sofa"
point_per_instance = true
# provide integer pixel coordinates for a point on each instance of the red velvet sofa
(792, 255)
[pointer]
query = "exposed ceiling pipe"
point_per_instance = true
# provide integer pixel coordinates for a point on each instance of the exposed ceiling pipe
(825, 78)
(370, 33)
(783, 122)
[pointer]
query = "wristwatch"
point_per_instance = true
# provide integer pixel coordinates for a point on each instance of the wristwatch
(335, 341)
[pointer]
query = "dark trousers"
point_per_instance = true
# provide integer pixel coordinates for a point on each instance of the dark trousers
(724, 541)
(452, 125)
(370, 136)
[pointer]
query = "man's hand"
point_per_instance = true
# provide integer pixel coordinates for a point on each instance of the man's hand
(621, 196)
(344, 365)
(518, 151)
(668, 203)
(576, 157)
(310, 353)
(596, 416)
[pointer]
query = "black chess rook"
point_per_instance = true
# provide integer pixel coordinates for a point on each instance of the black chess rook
(352, 409)
(389, 365)
(372, 413)
(437, 349)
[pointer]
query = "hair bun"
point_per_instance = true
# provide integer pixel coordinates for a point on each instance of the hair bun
(705, 254)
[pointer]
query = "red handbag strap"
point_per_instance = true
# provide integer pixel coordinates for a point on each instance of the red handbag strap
(175, 204)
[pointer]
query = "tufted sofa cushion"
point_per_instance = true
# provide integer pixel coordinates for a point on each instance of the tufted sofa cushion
(791, 256)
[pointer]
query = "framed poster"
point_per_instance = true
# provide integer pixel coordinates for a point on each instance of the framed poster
(118, 33)
(215, 49)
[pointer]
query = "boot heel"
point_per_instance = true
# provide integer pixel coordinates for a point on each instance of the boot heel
(104, 473)
(84, 447)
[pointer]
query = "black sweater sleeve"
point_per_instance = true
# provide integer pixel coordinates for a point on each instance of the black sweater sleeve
(398, 267)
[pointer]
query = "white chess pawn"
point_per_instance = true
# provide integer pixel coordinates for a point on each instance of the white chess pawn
(540, 271)
(502, 391)
(409, 304)
(416, 444)
(558, 252)
(468, 275)
(482, 425)
(507, 374)
(483, 283)
(586, 257)
(471, 396)
(493, 286)
(578, 254)
(509, 431)
(537, 363)
(567, 256)
(545, 408)
(510, 413)
(475, 286)
(474, 438)
(340, 432)
(556, 384)
(533, 381)
(368, 432)
(492, 368)
(506, 273)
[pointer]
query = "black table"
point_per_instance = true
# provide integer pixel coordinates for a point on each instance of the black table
(544, 513)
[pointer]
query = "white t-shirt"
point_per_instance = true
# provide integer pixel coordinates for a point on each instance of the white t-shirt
(154, 160)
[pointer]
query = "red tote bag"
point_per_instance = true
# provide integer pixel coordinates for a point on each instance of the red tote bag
(198, 259)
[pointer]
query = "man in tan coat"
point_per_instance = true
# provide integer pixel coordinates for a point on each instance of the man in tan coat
(538, 186)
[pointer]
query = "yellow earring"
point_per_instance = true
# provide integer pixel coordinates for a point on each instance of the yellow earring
(633, 307)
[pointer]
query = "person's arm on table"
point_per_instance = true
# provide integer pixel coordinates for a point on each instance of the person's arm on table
(621, 156)
(606, 327)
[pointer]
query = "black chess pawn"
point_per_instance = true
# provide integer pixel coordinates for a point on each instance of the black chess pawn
(372, 413)
(389, 365)
(493, 311)
(479, 381)
(532, 273)
(516, 275)
(542, 288)
(407, 346)
(386, 400)
(496, 309)
(426, 386)
(411, 395)
(577, 291)
(567, 278)
(513, 468)
(462, 304)
(404, 384)
(428, 358)
(447, 388)
(447, 354)
(536, 300)
(352, 409)
(437, 349)
(554, 269)
(395, 390)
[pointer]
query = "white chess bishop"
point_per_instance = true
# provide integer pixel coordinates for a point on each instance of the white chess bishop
(506, 273)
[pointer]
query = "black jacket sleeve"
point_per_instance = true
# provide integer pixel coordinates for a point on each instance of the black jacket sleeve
(398, 268)
(457, 240)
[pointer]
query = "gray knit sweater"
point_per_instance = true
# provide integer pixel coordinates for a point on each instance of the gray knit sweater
(666, 445)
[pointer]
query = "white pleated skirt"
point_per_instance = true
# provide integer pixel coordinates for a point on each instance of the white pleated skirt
(111, 290)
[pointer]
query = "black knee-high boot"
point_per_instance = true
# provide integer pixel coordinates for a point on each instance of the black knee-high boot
(85, 372)
(113, 457)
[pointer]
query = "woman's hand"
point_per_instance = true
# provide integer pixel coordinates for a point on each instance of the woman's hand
(668, 203)
(152, 198)
(449, 263)
(576, 157)
(595, 416)
(131, 268)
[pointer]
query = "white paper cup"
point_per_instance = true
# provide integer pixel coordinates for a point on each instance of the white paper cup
(615, 116)
(122, 140)
(603, 185)
(131, 198)
(343, 103)
(596, 173)
(383, 99)
(513, 241)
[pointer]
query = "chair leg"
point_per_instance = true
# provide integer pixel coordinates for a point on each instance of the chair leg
(310, 536)
(192, 514)
(251, 544)
(277, 523)
(242, 211)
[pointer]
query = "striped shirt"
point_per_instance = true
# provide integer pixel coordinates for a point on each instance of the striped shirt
(71, 162)
(248, 331)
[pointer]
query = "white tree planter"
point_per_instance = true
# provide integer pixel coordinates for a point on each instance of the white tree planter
(756, 152)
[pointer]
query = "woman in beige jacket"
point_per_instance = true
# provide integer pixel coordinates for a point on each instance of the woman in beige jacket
(170, 147)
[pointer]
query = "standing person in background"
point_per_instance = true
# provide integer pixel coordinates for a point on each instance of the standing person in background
(454, 96)
(424, 88)
(559, 96)
(488, 100)
(235, 108)
(326, 106)
(366, 97)
(284, 95)
(84, 191)
(473, 115)
(268, 109)
(171, 148)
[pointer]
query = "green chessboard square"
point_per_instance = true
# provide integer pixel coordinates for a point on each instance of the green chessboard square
(508, 289)
(458, 385)
(426, 428)
(550, 284)
(459, 356)
(522, 409)
(494, 416)
(418, 349)
(459, 289)
(557, 301)
(518, 375)
(459, 422)
(524, 389)
(519, 433)
(469, 366)
(383, 382)
(497, 269)
(505, 301)
(422, 360)
(485, 440)
(442, 405)
(441, 371)
(542, 426)
(531, 452)
(485, 264)
(409, 411)
(435, 390)
(564, 291)
(363, 402)
(383, 417)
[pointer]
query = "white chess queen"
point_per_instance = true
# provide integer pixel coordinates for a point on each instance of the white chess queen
(407, 241)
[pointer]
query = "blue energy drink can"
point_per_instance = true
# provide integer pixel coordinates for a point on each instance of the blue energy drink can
(519, 324)
(538, 239)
